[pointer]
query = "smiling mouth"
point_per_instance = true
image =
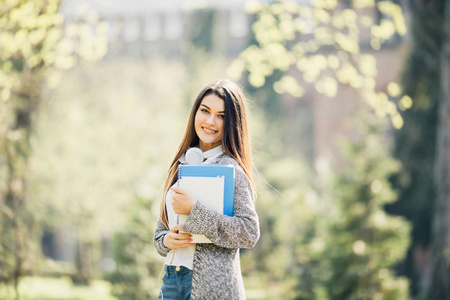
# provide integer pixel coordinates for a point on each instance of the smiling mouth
(208, 131)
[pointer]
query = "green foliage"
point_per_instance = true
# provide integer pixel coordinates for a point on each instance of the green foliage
(355, 242)
(32, 42)
(318, 46)
(94, 160)
(137, 263)
(85, 148)
(325, 234)
(334, 241)
(283, 202)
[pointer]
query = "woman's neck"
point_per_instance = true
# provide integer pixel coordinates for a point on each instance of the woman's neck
(206, 147)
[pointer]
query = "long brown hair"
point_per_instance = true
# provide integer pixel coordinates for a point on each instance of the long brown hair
(235, 135)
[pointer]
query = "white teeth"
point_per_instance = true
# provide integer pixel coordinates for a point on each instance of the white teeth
(208, 131)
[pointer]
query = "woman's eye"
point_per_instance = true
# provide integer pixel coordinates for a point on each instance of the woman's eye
(204, 110)
(222, 116)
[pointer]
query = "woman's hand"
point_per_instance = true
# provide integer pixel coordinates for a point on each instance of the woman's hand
(182, 202)
(174, 239)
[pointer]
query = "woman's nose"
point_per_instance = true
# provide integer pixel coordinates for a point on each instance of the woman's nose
(211, 119)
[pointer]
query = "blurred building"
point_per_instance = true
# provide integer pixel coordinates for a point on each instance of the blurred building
(148, 28)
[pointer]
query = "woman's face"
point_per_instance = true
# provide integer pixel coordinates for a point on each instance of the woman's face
(208, 122)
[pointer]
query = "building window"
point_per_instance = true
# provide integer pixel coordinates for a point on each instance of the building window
(131, 30)
(238, 24)
(174, 26)
(152, 28)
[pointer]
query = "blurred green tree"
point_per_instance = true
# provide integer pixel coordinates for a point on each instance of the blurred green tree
(137, 264)
(328, 236)
(33, 41)
(415, 143)
(322, 45)
(339, 251)
(357, 243)
(97, 164)
(440, 246)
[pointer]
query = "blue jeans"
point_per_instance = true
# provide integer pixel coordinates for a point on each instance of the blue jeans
(177, 283)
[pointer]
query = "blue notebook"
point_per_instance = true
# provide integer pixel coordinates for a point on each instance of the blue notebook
(225, 171)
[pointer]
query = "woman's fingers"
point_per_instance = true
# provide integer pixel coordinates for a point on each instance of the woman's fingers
(182, 202)
(176, 239)
(177, 243)
(182, 236)
(178, 190)
(181, 242)
(176, 228)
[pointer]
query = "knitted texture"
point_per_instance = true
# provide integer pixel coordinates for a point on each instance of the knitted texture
(216, 273)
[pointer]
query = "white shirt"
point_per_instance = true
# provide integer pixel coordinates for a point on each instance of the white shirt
(183, 256)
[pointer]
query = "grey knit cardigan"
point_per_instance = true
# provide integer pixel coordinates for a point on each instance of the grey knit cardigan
(216, 271)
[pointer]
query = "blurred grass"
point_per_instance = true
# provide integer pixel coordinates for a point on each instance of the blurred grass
(40, 288)
(257, 287)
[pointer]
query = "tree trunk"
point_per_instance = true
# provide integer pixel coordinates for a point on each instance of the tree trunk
(14, 237)
(440, 284)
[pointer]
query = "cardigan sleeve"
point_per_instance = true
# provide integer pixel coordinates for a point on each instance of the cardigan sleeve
(158, 238)
(239, 231)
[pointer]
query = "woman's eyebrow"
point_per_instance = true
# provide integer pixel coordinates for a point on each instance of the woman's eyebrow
(220, 112)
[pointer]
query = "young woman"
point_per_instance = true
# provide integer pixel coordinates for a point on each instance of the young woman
(218, 126)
